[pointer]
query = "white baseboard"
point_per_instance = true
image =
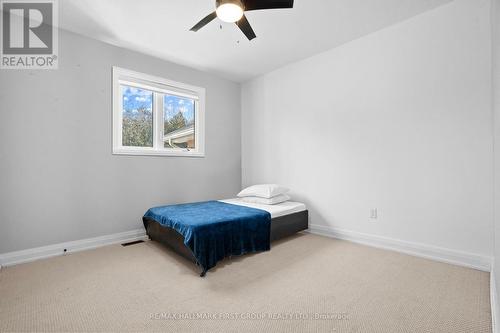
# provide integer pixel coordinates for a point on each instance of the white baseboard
(454, 257)
(494, 302)
(18, 257)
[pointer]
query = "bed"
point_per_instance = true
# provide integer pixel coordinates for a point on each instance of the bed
(251, 226)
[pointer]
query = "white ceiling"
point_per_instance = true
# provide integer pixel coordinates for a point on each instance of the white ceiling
(161, 28)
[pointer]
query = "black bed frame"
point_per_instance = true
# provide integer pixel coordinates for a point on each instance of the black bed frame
(281, 227)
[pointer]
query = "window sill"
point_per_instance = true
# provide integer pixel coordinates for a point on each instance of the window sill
(172, 153)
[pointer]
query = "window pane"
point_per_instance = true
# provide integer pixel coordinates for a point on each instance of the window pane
(137, 113)
(178, 126)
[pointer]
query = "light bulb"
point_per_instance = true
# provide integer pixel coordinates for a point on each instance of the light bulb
(229, 12)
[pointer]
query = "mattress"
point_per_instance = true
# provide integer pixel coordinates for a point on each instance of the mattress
(214, 230)
(281, 209)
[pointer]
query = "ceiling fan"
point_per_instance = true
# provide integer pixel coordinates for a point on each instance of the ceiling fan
(232, 11)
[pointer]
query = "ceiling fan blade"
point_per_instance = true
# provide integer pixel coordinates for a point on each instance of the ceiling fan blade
(267, 4)
(245, 26)
(207, 19)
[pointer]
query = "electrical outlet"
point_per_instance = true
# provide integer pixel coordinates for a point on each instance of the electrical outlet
(373, 213)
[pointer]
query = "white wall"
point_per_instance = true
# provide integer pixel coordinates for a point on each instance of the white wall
(496, 128)
(58, 179)
(399, 120)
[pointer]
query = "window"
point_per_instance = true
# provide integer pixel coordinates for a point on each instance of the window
(155, 116)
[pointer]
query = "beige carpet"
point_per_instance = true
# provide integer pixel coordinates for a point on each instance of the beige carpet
(305, 284)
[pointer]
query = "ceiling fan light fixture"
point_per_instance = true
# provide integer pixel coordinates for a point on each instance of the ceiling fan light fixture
(229, 10)
(233, 11)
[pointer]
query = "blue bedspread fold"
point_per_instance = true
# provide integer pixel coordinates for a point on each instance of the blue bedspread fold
(214, 230)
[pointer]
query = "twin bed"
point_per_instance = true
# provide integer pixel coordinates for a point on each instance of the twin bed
(207, 232)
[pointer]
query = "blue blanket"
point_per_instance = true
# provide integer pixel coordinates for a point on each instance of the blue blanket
(214, 230)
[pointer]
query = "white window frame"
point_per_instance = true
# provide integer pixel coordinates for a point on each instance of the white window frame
(156, 84)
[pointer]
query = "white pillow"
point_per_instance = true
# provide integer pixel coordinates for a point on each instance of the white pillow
(271, 201)
(263, 191)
